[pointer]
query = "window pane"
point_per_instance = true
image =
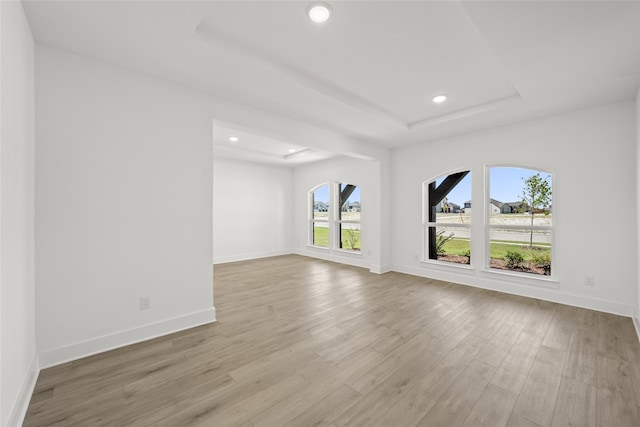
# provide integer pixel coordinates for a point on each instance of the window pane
(521, 250)
(519, 196)
(349, 203)
(321, 203)
(450, 244)
(321, 234)
(350, 236)
(449, 199)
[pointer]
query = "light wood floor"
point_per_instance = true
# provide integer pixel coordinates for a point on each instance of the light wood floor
(304, 342)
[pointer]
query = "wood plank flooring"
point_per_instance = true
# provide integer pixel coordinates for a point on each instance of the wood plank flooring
(305, 342)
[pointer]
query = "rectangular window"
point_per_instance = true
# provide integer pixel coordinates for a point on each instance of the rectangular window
(447, 218)
(348, 217)
(520, 220)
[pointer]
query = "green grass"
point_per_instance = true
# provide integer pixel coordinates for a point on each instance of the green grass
(321, 238)
(499, 249)
(457, 246)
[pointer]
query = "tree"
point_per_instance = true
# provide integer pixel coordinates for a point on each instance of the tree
(536, 195)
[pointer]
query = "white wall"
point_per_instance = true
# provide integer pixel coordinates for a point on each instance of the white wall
(368, 176)
(19, 363)
(591, 153)
(637, 316)
(253, 210)
(124, 206)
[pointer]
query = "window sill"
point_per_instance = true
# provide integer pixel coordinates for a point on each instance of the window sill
(349, 253)
(522, 278)
(318, 248)
(340, 252)
(443, 265)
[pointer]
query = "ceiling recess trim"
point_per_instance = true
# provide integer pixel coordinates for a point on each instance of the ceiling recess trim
(212, 37)
(467, 112)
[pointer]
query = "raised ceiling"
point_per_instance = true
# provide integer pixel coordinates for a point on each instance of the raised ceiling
(369, 73)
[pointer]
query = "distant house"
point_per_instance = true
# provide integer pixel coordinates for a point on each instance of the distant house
(447, 207)
(497, 207)
(320, 207)
(515, 207)
(351, 207)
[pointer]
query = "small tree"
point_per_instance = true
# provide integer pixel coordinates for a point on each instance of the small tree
(351, 238)
(536, 195)
(442, 240)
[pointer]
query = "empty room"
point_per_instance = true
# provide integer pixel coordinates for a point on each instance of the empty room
(306, 213)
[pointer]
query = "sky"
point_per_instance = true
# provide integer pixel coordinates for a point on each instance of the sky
(322, 194)
(506, 185)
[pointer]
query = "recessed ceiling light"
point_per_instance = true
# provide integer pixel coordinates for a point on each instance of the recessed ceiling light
(439, 99)
(292, 150)
(233, 138)
(319, 12)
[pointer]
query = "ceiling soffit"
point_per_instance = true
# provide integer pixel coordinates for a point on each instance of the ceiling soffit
(390, 76)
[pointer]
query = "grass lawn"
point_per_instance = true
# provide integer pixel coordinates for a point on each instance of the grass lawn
(498, 248)
(321, 238)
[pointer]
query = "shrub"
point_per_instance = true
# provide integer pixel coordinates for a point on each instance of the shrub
(513, 260)
(542, 260)
(442, 240)
(351, 238)
(467, 253)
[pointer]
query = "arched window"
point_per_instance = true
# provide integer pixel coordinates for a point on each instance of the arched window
(334, 216)
(447, 218)
(319, 216)
(520, 219)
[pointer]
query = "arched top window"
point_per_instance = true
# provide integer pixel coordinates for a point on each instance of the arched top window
(447, 218)
(334, 216)
(319, 210)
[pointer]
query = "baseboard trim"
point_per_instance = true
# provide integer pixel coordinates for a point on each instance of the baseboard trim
(380, 269)
(636, 323)
(249, 256)
(19, 410)
(531, 291)
(127, 337)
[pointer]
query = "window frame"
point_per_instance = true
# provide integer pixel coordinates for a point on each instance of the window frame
(427, 224)
(338, 221)
(334, 219)
(311, 217)
(488, 226)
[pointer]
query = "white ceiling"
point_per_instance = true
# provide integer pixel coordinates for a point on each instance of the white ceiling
(370, 72)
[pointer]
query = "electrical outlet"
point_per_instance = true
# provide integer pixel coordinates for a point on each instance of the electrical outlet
(145, 303)
(415, 257)
(589, 281)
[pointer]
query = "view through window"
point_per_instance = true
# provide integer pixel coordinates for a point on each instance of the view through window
(447, 219)
(520, 220)
(348, 220)
(320, 216)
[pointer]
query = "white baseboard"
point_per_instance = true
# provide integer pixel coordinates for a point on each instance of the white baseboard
(119, 339)
(380, 269)
(252, 255)
(531, 291)
(19, 410)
